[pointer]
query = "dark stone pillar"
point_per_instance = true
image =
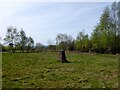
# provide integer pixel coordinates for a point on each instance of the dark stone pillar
(62, 56)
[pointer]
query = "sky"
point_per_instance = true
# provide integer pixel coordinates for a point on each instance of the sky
(44, 20)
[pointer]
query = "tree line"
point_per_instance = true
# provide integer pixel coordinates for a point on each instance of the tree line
(17, 40)
(105, 38)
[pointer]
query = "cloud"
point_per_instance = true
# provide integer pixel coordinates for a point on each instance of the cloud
(8, 11)
(43, 21)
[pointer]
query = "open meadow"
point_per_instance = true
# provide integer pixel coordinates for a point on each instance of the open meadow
(42, 70)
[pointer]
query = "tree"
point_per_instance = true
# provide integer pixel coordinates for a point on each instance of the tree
(64, 41)
(61, 41)
(106, 33)
(115, 19)
(70, 43)
(18, 40)
(82, 42)
(61, 38)
(86, 43)
(51, 45)
(39, 47)
(102, 33)
(23, 40)
(25, 43)
(79, 42)
(30, 44)
(12, 37)
(95, 40)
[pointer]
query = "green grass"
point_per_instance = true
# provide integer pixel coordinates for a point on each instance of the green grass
(41, 70)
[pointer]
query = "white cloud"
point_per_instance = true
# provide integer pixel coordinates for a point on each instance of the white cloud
(48, 21)
(8, 11)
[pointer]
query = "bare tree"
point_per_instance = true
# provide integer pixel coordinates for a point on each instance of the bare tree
(12, 37)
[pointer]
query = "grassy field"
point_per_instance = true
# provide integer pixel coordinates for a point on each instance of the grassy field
(41, 70)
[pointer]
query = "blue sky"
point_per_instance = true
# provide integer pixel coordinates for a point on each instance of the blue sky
(44, 20)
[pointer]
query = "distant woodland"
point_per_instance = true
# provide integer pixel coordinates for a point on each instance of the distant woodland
(105, 38)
